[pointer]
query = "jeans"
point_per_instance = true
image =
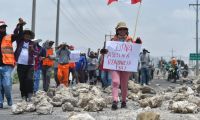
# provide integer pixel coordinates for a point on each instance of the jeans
(46, 73)
(36, 80)
(106, 78)
(145, 76)
(6, 84)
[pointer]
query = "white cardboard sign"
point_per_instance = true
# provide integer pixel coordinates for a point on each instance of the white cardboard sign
(75, 56)
(122, 56)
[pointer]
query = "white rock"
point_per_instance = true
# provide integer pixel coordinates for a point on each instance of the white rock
(194, 99)
(30, 107)
(97, 104)
(148, 116)
(19, 108)
(183, 107)
(67, 107)
(44, 107)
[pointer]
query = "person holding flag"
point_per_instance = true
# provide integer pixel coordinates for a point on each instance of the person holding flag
(120, 78)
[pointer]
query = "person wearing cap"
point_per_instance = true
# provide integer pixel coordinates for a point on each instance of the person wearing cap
(120, 78)
(63, 54)
(145, 63)
(24, 55)
(38, 63)
(47, 64)
(7, 60)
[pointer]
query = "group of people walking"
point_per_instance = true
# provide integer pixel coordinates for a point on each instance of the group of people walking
(32, 60)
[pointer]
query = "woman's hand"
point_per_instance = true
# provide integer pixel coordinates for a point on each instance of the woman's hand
(104, 51)
(138, 40)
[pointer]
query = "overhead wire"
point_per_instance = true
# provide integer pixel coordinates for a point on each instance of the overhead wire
(87, 20)
(70, 19)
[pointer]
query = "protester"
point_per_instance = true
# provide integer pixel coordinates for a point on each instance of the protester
(81, 67)
(24, 55)
(7, 60)
(144, 61)
(92, 66)
(47, 64)
(63, 54)
(38, 63)
(72, 68)
(120, 77)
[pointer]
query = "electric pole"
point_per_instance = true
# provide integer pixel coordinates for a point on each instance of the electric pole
(197, 36)
(57, 23)
(172, 52)
(33, 15)
(110, 37)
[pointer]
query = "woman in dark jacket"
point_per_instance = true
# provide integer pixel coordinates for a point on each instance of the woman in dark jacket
(24, 55)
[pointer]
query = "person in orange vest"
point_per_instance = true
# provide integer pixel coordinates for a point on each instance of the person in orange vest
(7, 60)
(63, 54)
(120, 78)
(47, 64)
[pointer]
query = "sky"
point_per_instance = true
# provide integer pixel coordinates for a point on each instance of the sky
(163, 25)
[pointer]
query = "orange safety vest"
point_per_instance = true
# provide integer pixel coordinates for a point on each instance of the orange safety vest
(47, 61)
(128, 39)
(7, 51)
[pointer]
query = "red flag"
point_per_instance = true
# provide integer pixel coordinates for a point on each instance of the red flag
(126, 1)
(135, 1)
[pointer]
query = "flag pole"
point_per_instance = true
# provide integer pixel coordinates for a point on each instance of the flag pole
(138, 12)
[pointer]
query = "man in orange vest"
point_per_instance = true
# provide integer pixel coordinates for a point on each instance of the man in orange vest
(63, 53)
(47, 64)
(7, 60)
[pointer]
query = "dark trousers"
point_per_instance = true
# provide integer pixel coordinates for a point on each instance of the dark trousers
(46, 74)
(56, 77)
(25, 74)
(92, 76)
(82, 76)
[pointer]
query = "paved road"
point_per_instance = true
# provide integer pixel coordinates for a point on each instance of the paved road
(121, 114)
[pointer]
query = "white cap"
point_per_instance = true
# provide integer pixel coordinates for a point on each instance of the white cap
(2, 23)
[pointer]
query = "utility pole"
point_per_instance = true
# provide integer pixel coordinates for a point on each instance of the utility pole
(33, 15)
(172, 52)
(197, 36)
(57, 23)
(106, 36)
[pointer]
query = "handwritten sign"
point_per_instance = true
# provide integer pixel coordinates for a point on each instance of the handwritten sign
(75, 56)
(122, 56)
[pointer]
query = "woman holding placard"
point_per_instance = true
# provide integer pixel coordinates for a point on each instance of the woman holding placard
(120, 78)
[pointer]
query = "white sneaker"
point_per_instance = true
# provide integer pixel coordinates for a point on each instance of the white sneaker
(144, 84)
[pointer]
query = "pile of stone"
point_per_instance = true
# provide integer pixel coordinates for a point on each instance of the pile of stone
(41, 103)
(83, 96)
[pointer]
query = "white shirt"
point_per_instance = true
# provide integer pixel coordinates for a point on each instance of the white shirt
(23, 57)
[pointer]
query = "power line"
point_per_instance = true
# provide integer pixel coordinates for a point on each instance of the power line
(70, 19)
(87, 20)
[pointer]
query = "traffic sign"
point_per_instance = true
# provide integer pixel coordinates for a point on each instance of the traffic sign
(194, 56)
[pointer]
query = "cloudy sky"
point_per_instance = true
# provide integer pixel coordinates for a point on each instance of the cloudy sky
(163, 24)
